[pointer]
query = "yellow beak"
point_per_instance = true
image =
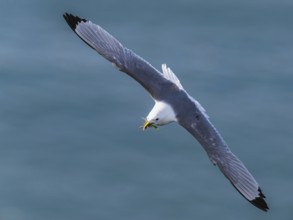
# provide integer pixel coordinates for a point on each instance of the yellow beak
(148, 124)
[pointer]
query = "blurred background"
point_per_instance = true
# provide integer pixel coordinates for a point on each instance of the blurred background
(70, 142)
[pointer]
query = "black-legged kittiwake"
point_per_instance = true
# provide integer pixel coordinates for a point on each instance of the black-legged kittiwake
(172, 104)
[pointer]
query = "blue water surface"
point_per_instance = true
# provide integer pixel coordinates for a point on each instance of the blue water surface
(70, 142)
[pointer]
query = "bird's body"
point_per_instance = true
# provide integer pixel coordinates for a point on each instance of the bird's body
(172, 104)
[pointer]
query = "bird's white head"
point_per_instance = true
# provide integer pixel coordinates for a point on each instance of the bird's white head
(161, 114)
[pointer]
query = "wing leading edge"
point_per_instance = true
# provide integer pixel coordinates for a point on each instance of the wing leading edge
(123, 58)
(219, 153)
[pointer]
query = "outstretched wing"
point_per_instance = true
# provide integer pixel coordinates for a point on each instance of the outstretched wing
(220, 154)
(123, 58)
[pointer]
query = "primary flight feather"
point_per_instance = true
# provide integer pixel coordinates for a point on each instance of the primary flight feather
(172, 104)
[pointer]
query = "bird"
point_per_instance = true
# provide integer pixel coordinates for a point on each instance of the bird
(172, 104)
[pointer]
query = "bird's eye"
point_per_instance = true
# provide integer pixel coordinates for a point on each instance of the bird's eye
(157, 119)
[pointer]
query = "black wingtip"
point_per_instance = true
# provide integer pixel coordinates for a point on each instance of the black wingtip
(72, 20)
(259, 202)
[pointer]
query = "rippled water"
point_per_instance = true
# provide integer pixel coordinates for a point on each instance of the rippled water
(71, 147)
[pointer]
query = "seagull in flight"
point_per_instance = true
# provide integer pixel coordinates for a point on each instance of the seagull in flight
(172, 104)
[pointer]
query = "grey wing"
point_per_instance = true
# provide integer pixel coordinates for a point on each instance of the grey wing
(220, 154)
(123, 58)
